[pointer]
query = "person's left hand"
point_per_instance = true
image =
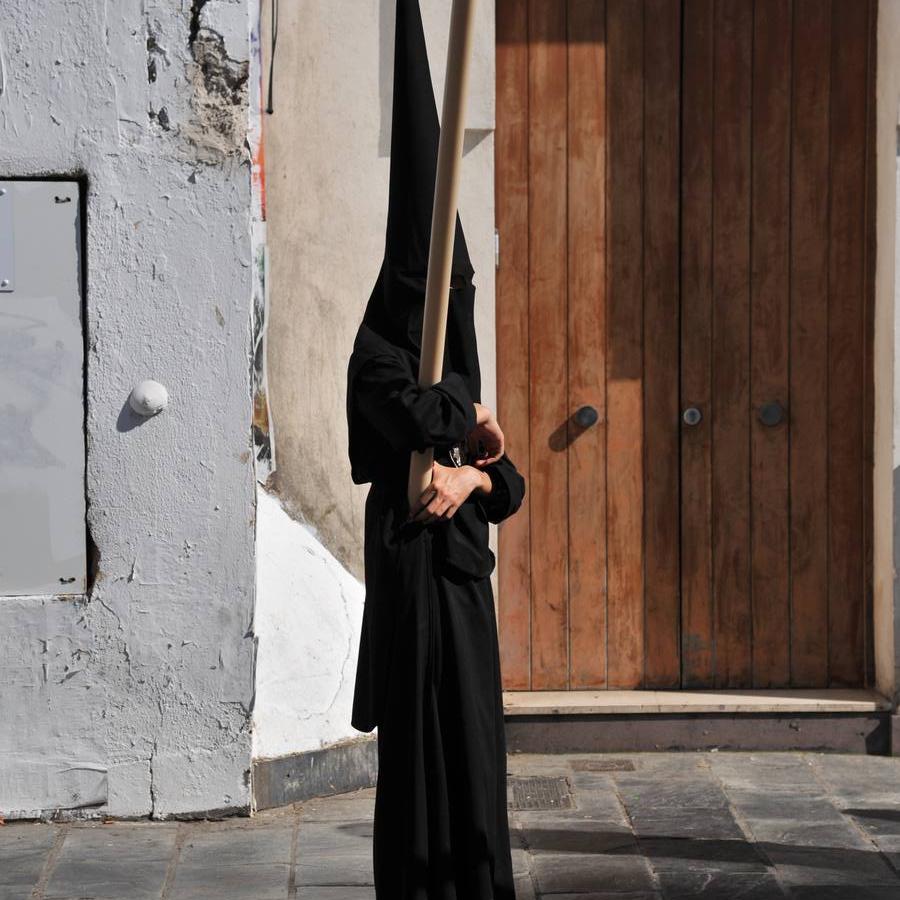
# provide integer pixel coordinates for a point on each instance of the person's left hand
(485, 441)
(449, 489)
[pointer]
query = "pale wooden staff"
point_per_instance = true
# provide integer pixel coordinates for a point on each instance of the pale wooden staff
(443, 221)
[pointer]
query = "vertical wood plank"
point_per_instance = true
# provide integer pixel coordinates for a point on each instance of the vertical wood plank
(662, 77)
(770, 295)
(587, 340)
(809, 343)
(697, 609)
(731, 341)
(511, 186)
(624, 391)
(547, 342)
(846, 353)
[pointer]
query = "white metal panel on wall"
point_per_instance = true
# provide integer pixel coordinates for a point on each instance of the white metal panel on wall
(42, 499)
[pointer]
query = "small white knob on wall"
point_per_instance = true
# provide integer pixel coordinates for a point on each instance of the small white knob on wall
(148, 398)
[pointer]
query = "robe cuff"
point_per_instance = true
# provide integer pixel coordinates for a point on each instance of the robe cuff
(496, 504)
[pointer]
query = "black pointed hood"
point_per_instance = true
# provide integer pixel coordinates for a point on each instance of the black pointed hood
(396, 305)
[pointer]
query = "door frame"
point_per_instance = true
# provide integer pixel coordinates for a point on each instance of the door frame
(885, 491)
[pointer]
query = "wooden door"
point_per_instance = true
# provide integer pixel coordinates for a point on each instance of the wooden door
(684, 341)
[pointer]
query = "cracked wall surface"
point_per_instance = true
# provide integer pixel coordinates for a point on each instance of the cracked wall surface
(137, 699)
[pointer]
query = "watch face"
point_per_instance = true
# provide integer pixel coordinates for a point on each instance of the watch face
(456, 455)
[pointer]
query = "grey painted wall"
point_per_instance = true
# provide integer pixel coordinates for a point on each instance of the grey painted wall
(135, 699)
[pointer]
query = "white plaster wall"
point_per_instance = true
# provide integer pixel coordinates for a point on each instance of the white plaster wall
(136, 700)
(307, 623)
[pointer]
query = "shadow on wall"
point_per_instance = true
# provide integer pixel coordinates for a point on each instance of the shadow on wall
(385, 73)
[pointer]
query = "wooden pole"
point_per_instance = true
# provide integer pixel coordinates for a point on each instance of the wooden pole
(443, 220)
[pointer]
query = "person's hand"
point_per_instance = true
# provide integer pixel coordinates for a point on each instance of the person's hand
(485, 440)
(449, 489)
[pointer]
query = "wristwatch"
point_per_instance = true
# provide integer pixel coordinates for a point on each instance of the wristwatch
(459, 454)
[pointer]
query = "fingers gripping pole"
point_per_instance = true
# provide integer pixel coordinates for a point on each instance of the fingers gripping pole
(443, 220)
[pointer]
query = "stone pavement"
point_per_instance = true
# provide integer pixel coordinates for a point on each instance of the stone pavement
(619, 827)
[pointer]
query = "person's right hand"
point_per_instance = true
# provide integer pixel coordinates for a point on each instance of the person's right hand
(486, 437)
(449, 489)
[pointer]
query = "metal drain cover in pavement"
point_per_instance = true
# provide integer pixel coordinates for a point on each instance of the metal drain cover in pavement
(602, 765)
(539, 793)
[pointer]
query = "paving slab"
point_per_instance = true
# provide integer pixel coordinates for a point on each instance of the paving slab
(718, 885)
(829, 866)
(112, 861)
(525, 889)
(346, 808)
(660, 826)
(329, 872)
(595, 794)
(251, 882)
(344, 892)
(848, 892)
(835, 835)
(351, 836)
(869, 781)
(17, 836)
(669, 764)
(698, 823)
(23, 851)
(801, 806)
(876, 821)
(605, 895)
(782, 773)
(107, 879)
(556, 873)
(574, 835)
(213, 845)
(891, 853)
(689, 855)
(548, 764)
(334, 853)
(646, 792)
(120, 841)
(19, 875)
(520, 861)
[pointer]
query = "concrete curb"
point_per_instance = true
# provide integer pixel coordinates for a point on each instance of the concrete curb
(316, 773)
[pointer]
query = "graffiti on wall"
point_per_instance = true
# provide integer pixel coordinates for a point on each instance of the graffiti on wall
(263, 437)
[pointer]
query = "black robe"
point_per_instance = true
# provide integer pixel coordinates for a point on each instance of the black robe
(428, 673)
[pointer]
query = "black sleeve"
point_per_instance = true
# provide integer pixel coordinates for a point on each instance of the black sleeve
(410, 417)
(507, 491)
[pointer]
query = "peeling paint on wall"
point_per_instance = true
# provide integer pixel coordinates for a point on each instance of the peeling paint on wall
(218, 128)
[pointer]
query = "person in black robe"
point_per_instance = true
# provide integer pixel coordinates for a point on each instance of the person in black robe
(428, 673)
